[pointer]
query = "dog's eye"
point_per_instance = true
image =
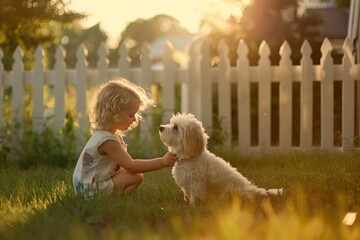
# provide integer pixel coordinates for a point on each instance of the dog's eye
(175, 127)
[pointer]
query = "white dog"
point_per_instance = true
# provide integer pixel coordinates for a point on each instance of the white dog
(199, 173)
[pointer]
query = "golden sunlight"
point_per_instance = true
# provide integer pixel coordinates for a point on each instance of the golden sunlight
(349, 218)
(225, 8)
(114, 15)
(216, 12)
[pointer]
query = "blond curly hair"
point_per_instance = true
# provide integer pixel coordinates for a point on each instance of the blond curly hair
(112, 98)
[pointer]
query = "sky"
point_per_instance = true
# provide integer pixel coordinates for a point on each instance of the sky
(114, 15)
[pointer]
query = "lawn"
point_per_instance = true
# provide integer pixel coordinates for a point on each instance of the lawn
(320, 188)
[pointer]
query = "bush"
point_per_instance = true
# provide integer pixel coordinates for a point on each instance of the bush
(49, 148)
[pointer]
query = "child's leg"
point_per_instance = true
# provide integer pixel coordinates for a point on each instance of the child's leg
(126, 181)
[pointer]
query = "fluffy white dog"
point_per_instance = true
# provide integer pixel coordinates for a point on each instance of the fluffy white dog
(199, 173)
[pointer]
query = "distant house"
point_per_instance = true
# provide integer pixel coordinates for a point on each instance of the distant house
(335, 20)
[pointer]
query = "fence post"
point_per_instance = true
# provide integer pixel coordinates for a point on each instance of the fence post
(17, 99)
(102, 64)
(59, 88)
(224, 86)
(327, 96)
(193, 85)
(38, 92)
(348, 106)
(306, 105)
(123, 63)
(243, 96)
(185, 87)
(168, 83)
(81, 87)
(146, 82)
(264, 76)
(205, 87)
(286, 98)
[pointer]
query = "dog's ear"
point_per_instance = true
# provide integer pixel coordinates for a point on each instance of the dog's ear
(195, 140)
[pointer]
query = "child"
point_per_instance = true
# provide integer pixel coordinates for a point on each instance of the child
(104, 164)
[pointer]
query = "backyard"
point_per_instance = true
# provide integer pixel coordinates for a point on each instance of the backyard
(284, 113)
(38, 202)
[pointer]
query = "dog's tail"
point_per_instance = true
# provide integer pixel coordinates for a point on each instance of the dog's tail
(247, 188)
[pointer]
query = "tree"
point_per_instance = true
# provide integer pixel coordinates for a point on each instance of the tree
(271, 20)
(91, 38)
(29, 23)
(140, 31)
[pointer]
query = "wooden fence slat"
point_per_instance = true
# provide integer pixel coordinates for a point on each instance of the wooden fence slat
(306, 105)
(59, 89)
(17, 99)
(205, 90)
(193, 88)
(123, 62)
(224, 101)
(348, 48)
(146, 82)
(102, 64)
(327, 96)
(264, 76)
(185, 80)
(243, 97)
(348, 106)
(286, 92)
(81, 89)
(168, 83)
(38, 92)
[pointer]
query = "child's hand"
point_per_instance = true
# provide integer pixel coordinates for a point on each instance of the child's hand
(169, 159)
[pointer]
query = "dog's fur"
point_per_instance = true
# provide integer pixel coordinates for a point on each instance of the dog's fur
(199, 173)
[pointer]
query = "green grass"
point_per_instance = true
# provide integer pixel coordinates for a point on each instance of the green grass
(320, 188)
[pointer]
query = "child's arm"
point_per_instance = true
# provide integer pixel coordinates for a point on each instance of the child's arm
(118, 154)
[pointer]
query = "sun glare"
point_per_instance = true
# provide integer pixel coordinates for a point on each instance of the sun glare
(188, 12)
(216, 12)
(224, 8)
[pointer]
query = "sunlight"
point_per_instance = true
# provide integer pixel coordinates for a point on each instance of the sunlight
(349, 218)
(114, 15)
(216, 12)
(225, 8)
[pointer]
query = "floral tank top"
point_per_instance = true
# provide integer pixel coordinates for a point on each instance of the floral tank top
(92, 168)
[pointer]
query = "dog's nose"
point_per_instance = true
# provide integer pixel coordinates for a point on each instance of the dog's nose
(161, 128)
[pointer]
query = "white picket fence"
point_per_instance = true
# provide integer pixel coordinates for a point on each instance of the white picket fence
(197, 87)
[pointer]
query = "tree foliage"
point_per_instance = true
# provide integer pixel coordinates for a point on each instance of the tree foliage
(29, 23)
(271, 20)
(141, 31)
(74, 36)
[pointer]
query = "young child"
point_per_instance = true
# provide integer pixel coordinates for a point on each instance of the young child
(104, 164)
